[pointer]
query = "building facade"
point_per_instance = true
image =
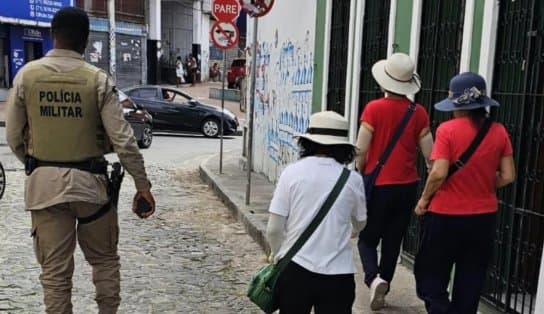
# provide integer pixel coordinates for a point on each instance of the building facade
(127, 63)
(24, 35)
(501, 40)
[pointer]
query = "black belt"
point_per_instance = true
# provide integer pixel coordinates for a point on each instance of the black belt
(96, 166)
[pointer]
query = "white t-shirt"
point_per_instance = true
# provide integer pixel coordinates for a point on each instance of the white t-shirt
(301, 191)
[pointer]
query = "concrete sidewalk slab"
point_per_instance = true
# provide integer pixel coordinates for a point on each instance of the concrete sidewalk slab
(231, 186)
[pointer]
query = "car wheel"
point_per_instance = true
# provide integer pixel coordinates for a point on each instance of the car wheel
(210, 127)
(2, 181)
(147, 137)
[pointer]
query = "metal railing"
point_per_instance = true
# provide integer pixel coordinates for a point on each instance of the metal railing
(375, 32)
(338, 60)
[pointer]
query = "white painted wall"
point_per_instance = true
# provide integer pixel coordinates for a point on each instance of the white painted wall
(286, 38)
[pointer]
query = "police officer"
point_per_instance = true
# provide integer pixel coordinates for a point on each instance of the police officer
(63, 115)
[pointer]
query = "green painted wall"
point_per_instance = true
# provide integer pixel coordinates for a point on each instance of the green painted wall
(476, 35)
(319, 52)
(403, 26)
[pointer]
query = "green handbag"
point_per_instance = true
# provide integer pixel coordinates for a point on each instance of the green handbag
(262, 288)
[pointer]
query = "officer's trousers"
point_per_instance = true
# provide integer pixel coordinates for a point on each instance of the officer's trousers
(55, 231)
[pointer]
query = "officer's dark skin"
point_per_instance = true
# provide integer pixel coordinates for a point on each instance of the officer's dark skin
(59, 42)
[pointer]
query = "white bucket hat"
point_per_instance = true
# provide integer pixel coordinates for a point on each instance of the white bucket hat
(327, 128)
(397, 74)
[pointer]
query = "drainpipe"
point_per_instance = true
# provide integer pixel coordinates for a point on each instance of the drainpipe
(113, 57)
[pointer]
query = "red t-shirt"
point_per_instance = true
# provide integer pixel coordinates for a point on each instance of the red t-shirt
(471, 190)
(384, 115)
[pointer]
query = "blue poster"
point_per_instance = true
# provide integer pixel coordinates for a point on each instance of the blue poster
(35, 10)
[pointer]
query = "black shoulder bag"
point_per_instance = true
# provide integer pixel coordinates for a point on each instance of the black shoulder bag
(370, 179)
(261, 290)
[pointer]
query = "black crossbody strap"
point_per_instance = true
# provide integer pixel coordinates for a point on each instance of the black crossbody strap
(333, 195)
(465, 156)
(396, 136)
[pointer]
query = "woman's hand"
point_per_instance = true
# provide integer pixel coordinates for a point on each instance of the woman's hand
(421, 207)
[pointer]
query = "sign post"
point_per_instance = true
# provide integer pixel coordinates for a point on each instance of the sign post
(225, 35)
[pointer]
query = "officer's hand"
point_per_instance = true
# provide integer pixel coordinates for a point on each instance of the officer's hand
(149, 198)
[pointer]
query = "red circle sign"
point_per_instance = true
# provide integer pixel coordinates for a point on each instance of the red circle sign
(257, 8)
(225, 35)
(226, 10)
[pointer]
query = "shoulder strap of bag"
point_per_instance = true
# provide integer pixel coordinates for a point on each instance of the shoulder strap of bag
(465, 156)
(333, 195)
(396, 136)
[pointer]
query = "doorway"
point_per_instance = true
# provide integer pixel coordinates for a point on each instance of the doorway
(33, 51)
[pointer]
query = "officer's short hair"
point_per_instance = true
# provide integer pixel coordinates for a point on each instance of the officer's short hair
(71, 25)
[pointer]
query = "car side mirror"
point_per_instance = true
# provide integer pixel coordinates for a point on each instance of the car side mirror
(192, 102)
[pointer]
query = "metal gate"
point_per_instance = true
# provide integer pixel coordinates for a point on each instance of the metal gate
(338, 58)
(518, 84)
(375, 34)
(439, 58)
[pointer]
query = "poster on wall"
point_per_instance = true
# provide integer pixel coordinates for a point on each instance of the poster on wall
(35, 10)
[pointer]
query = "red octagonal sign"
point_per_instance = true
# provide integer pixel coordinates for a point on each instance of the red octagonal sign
(226, 10)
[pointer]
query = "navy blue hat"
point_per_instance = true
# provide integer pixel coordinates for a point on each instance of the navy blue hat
(467, 91)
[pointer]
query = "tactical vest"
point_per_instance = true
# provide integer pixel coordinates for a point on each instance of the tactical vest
(64, 121)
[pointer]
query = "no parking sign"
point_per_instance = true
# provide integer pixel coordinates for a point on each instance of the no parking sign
(225, 35)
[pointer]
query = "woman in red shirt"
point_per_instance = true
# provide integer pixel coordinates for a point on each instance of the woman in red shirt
(395, 190)
(459, 221)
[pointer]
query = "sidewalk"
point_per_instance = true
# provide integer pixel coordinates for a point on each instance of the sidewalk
(231, 187)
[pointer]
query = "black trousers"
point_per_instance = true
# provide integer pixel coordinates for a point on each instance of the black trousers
(465, 241)
(299, 290)
(389, 212)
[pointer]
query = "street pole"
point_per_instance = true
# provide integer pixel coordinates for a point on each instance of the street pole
(251, 110)
(222, 110)
(111, 19)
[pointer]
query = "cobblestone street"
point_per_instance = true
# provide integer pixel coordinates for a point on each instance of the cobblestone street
(190, 257)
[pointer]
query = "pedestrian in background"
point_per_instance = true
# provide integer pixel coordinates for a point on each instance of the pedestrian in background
(320, 275)
(460, 210)
(215, 73)
(63, 151)
(193, 68)
(393, 196)
(180, 72)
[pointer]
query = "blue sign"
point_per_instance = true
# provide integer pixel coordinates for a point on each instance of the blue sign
(34, 10)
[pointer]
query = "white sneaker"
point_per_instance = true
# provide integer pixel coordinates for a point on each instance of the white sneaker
(378, 288)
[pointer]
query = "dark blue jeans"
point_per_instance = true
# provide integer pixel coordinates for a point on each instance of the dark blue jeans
(465, 241)
(389, 212)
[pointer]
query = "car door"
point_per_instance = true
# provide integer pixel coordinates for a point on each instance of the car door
(151, 99)
(187, 114)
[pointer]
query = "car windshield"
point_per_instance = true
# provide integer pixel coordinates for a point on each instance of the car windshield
(122, 96)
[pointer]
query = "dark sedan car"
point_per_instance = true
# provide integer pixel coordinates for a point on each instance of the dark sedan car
(174, 110)
(140, 120)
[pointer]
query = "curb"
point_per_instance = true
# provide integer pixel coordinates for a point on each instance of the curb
(239, 210)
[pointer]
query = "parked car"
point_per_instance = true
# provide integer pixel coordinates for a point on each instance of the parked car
(174, 110)
(140, 120)
(236, 72)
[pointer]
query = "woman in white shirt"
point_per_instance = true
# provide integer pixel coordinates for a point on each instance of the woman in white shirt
(320, 275)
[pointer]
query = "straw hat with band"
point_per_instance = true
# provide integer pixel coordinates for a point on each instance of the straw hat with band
(327, 128)
(397, 74)
(467, 92)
